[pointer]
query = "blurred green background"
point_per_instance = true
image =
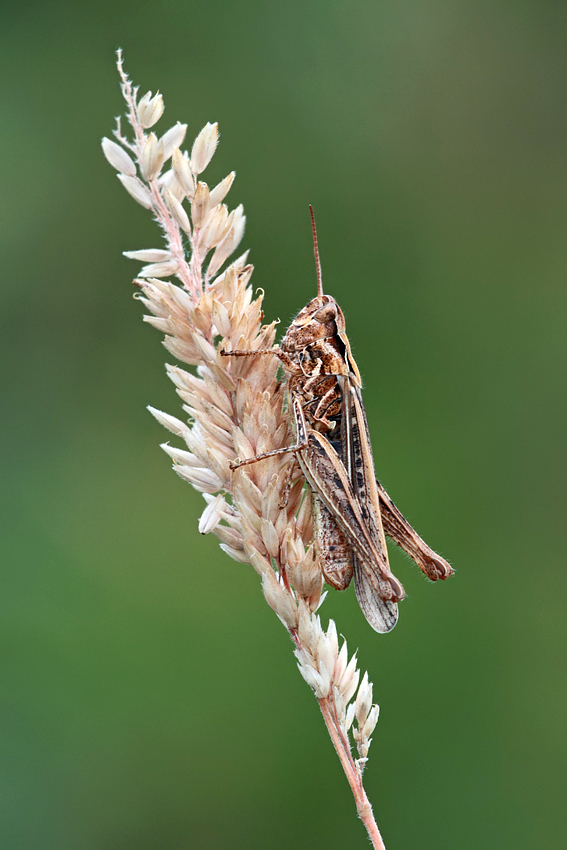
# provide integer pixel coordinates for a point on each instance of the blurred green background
(149, 697)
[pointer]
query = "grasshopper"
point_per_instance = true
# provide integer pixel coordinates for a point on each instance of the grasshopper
(352, 511)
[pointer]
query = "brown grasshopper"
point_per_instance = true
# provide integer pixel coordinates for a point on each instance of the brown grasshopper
(352, 511)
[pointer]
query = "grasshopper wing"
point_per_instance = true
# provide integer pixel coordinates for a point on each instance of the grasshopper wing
(357, 453)
(377, 589)
(381, 614)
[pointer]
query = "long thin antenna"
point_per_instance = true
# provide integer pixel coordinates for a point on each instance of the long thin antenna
(316, 250)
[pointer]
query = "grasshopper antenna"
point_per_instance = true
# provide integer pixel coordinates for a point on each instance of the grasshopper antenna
(316, 250)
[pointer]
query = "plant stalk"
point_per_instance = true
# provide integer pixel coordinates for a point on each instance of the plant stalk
(353, 776)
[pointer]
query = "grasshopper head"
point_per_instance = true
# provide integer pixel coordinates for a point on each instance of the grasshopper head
(321, 319)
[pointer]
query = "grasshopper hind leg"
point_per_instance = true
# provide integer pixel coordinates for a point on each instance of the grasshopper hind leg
(400, 531)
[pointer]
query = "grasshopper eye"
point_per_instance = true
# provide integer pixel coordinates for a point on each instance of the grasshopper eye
(327, 313)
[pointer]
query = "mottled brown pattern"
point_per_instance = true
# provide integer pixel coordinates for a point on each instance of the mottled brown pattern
(352, 512)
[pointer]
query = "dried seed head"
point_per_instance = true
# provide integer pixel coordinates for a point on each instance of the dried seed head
(159, 270)
(150, 109)
(235, 554)
(318, 653)
(314, 680)
(342, 661)
(293, 550)
(270, 538)
(304, 519)
(216, 227)
(165, 179)
(176, 426)
(149, 255)
(362, 736)
(349, 716)
(371, 721)
(333, 640)
(182, 172)
(204, 147)
(219, 193)
(169, 181)
(173, 139)
(138, 191)
(363, 701)
(212, 515)
(207, 349)
(118, 158)
(176, 189)
(259, 562)
(325, 657)
(317, 598)
(202, 479)
(349, 680)
(200, 205)
(181, 456)
(235, 230)
(236, 405)
(177, 211)
(230, 536)
(305, 575)
(239, 225)
(280, 599)
(152, 157)
(221, 318)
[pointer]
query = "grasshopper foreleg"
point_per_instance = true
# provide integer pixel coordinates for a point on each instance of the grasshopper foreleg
(284, 358)
(299, 447)
(302, 441)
